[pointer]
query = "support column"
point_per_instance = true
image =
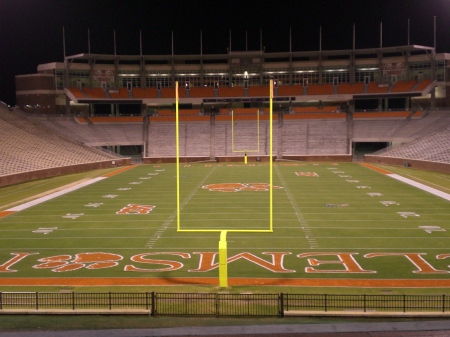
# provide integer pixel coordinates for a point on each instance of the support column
(433, 98)
(67, 106)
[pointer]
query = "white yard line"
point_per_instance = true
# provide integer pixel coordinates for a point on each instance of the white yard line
(418, 185)
(53, 195)
(300, 218)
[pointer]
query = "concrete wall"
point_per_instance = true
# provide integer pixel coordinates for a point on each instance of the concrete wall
(57, 171)
(321, 158)
(36, 90)
(406, 162)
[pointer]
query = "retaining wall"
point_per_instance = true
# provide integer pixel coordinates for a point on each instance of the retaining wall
(406, 162)
(58, 171)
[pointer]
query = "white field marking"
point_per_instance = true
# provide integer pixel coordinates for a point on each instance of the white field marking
(428, 182)
(421, 186)
(302, 221)
(240, 219)
(44, 230)
(74, 237)
(380, 237)
(172, 216)
(97, 204)
(53, 195)
(430, 229)
(183, 248)
(388, 203)
(407, 214)
(375, 194)
(110, 196)
(72, 216)
(17, 188)
(296, 249)
(441, 178)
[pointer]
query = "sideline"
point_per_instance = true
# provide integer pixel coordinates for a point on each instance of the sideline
(410, 182)
(75, 187)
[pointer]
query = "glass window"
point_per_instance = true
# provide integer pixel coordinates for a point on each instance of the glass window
(305, 73)
(370, 72)
(338, 73)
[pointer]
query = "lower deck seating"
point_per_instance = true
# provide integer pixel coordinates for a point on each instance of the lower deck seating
(32, 143)
(27, 146)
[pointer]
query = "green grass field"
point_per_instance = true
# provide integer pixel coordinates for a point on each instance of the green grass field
(334, 225)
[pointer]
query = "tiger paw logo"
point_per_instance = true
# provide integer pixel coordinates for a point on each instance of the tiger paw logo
(237, 187)
(64, 263)
(136, 209)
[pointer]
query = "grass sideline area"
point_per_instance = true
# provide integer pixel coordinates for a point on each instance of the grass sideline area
(336, 226)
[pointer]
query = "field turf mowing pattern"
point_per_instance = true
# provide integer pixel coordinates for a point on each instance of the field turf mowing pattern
(327, 217)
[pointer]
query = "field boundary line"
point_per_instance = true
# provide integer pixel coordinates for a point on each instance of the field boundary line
(113, 173)
(73, 187)
(410, 182)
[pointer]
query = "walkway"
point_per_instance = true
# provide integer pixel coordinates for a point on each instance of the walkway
(384, 329)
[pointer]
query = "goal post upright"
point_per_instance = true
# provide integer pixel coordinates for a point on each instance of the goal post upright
(271, 155)
(177, 151)
(223, 263)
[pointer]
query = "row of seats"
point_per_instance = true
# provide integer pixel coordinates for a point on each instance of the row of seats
(27, 146)
(382, 114)
(302, 133)
(331, 108)
(181, 112)
(222, 118)
(255, 91)
(328, 112)
(185, 118)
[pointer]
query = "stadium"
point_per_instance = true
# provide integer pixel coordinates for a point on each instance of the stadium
(328, 170)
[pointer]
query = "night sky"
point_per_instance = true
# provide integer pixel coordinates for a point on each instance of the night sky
(31, 31)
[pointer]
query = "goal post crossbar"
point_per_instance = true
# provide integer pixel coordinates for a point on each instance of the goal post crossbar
(223, 273)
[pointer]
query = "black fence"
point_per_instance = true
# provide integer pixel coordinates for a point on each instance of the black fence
(215, 304)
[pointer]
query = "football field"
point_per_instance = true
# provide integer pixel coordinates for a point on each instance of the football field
(334, 225)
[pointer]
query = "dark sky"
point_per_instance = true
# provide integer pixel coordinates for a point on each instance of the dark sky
(31, 30)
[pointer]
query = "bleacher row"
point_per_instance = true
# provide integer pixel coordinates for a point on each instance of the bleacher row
(195, 115)
(253, 91)
(27, 146)
(331, 131)
(30, 143)
(434, 147)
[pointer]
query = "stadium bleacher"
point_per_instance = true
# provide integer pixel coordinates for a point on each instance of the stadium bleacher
(27, 146)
